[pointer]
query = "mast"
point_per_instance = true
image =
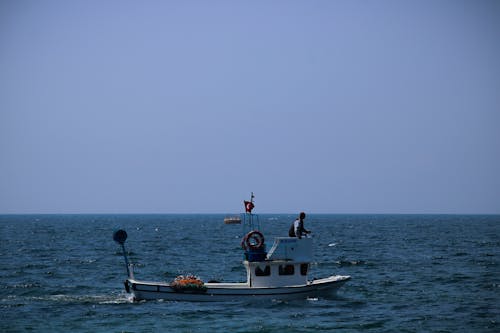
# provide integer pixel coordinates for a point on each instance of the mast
(251, 219)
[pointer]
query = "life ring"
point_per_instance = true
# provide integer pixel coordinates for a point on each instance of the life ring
(254, 240)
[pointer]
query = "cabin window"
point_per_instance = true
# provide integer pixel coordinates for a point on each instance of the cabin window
(286, 270)
(303, 269)
(263, 272)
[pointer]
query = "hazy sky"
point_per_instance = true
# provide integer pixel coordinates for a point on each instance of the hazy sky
(188, 106)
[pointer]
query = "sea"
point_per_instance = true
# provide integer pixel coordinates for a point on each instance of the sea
(409, 273)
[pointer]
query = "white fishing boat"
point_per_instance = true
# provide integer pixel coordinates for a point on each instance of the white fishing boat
(232, 220)
(280, 274)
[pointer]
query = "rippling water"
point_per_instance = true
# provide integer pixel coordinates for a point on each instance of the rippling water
(410, 273)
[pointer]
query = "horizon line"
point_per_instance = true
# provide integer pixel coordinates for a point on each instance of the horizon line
(229, 214)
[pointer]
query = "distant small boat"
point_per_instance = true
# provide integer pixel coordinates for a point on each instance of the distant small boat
(232, 220)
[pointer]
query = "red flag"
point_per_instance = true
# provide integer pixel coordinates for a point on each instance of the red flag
(248, 206)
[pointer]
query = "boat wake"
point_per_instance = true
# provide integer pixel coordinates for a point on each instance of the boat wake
(121, 298)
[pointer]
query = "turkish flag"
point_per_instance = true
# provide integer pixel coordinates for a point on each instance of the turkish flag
(248, 206)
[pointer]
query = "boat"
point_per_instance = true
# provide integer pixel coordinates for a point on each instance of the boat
(278, 274)
(232, 220)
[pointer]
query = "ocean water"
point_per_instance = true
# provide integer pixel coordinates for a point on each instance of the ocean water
(410, 273)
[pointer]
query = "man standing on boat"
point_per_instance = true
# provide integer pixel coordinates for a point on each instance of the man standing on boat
(297, 228)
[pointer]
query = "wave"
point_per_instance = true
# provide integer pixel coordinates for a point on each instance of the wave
(343, 263)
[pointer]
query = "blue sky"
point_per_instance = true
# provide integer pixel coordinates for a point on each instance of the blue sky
(188, 106)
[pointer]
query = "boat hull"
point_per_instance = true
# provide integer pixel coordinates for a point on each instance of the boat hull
(216, 292)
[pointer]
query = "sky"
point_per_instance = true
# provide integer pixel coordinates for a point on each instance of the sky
(189, 106)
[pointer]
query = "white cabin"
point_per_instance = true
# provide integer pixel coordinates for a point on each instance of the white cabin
(286, 264)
